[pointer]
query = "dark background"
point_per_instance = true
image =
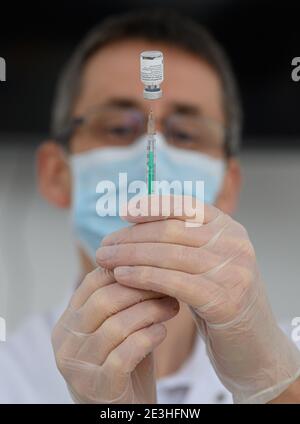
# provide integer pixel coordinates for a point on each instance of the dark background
(261, 38)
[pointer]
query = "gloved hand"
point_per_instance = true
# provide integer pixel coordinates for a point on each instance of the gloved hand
(213, 269)
(103, 342)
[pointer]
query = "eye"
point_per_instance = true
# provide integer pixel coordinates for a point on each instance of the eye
(120, 131)
(181, 136)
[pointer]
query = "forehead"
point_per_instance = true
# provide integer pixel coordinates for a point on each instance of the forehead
(114, 72)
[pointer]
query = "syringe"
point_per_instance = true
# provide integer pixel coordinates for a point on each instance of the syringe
(151, 171)
(152, 75)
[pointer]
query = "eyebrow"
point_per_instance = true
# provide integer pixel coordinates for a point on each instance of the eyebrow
(186, 109)
(175, 107)
(123, 103)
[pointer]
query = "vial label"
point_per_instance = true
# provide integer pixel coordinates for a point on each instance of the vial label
(152, 70)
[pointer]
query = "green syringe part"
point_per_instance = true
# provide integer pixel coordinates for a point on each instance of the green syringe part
(150, 172)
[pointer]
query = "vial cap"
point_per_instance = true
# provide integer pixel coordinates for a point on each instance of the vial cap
(152, 95)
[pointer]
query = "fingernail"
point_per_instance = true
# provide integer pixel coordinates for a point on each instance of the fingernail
(122, 271)
(106, 253)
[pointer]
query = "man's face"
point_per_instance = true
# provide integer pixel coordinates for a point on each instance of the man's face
(111, 77)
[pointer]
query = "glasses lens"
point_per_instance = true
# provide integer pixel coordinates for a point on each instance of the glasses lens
(115, 127)
(195, 133)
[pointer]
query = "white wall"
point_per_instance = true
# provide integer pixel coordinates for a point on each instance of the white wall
(270, 210)
(38, 259)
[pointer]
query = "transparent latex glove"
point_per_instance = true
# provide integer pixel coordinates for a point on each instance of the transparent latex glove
(213, 269)
(103, 342)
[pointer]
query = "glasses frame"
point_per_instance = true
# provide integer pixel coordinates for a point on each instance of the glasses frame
(64, 136)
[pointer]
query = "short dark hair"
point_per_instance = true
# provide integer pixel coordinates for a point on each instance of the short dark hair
(163, 25)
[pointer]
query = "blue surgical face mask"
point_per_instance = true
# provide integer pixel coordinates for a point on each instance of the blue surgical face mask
(92, 167)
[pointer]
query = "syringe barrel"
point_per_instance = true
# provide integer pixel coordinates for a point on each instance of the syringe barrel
(151, 163)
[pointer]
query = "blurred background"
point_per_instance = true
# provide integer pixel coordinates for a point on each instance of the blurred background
(38, 261)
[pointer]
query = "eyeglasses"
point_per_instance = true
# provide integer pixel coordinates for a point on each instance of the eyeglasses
(120, 127)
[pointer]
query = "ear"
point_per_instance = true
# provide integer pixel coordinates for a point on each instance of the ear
(54, 177)
(229, 195)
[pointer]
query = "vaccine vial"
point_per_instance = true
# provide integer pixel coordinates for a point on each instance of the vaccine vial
(152, 73)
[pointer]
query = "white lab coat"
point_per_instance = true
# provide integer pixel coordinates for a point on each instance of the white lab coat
(28, 373)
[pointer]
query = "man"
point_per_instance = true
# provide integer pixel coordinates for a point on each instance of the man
(154, 294)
